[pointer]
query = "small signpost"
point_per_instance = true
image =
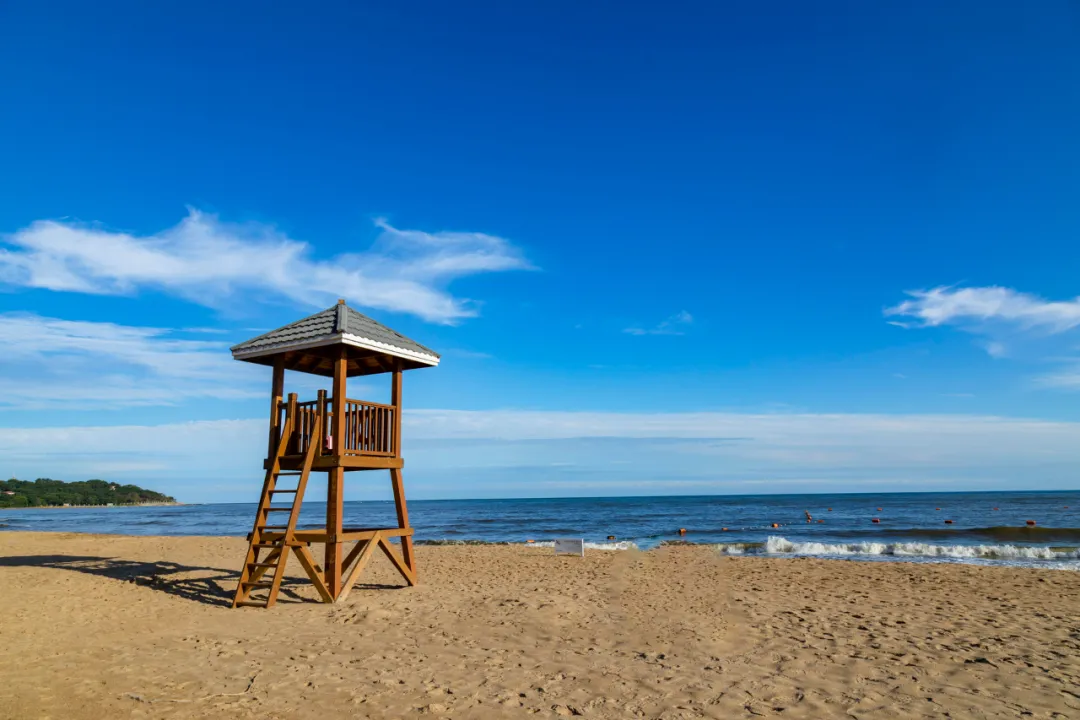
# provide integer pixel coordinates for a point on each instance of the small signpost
(570, 546)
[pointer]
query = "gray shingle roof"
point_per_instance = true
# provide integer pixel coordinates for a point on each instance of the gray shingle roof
(329, 325)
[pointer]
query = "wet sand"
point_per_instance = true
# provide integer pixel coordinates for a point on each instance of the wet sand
(139, 627)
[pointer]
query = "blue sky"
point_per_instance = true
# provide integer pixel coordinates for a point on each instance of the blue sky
(690, 248)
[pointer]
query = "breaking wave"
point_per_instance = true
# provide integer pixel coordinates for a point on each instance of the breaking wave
(782, 546)
(620, 545)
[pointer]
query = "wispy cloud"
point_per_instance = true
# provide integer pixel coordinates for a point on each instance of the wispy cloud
(207, 261)
(52, 362)
(976, 306)
(674, 325)
(1008, 323)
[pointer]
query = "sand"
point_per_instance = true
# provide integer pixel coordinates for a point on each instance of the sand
(124, 627)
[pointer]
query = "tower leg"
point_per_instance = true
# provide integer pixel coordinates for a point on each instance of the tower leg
(403, 519)
(334, 497)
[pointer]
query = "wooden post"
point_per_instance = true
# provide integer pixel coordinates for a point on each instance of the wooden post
(277, 387)
(395, 474)
(403, 519)
(291, 412)
(321, 408)
(335, 480)
(395, 400)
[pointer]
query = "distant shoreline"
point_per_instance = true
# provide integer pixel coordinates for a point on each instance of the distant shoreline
(75, 507)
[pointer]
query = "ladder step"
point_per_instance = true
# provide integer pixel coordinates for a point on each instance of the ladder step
(282, 491)
(273, 527)
(278, 509)
(257, 584)
(289, 474)
(262, 564)
(251, 603)
(268, 546)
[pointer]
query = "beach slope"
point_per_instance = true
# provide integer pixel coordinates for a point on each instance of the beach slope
(117, 627)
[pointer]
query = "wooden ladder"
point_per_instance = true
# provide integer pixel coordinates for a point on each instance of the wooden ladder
(275, 537)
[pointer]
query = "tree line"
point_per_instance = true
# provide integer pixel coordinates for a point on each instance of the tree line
(46, 492)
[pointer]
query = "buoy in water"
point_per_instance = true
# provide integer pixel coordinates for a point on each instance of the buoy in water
(1031, 523)
(879, 509)
(937, 508)
(682, 531)
(530, 541)
(821, 521)
(948, 522)
(724, 529)
(995, 508)
(776, 525)
(830, 509)
(610, 537)
(876, 520)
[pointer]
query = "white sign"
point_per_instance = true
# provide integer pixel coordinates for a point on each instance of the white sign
(570, 546)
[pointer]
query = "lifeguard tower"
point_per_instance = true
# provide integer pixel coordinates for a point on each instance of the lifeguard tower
(334, 435)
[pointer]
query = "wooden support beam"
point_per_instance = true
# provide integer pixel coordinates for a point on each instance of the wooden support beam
(366, 552)
(356, 550)
(405, 571)
(403, 520)
(335, 479)
(313, 573)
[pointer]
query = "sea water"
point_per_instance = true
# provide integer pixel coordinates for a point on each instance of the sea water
(986, 527)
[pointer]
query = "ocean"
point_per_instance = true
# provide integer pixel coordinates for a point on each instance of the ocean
(986, 527)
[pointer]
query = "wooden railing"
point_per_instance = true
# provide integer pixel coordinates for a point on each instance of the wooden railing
(370, 428)
(306, 414)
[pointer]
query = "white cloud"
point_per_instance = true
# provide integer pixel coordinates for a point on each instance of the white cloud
(510, 453)
(674, 325)
(208, 261)
(49, 362)
(1009, 323)
(978, 305)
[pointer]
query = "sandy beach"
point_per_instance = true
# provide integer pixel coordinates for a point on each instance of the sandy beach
(118, 627)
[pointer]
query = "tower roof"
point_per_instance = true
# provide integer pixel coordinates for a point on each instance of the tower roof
(308, 345)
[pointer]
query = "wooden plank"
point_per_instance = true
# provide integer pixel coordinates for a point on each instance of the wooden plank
(403, 520)
(346, 535)
(270, 560)
(388, 532)
(400, 565)
(357, 568)
(313, 573)
(349, 462)
(370, 403)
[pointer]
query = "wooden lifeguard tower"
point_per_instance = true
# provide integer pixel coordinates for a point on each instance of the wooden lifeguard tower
(334, 435)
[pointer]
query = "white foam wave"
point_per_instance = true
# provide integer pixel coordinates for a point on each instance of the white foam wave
(620, 545)
(782, 546)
